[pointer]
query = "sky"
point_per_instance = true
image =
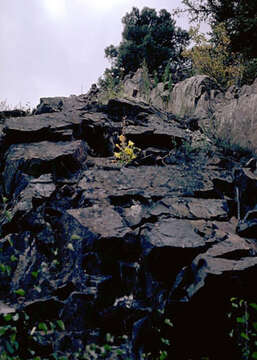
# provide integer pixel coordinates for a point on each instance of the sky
(56, 47)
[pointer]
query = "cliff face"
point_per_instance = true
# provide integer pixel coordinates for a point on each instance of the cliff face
(199, 97)
(120, 248)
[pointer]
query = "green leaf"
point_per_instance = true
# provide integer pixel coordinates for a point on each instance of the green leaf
(52, 325)
(168, 322)
(244, 336)
(43, 326)
(109, 338)
(75, 237)
(61, 325)
(3, 330)
(241, 302)
(8, 215)
(241, 320)
(13, 338)
(254, 355)
(8, 269)
(34, 274)
(8, 317)
(107, 348)
(9, 348)
(20, 292)
(255, 325)
(163, 355)
(165, 341)
(254, 306)
(119, 352)
(13, 258)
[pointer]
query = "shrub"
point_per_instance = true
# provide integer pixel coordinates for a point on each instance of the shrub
(214, 58)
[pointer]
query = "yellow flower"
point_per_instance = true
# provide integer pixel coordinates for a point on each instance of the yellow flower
(130, 143)
(117, 155)
(122, 138)
(128, 151)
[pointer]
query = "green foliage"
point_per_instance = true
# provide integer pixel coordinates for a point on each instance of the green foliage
(214, 58)
(4, 211)
(239, 17)
(150, 37)
(20, 292)
(240, 21)
(243, 316)
(19, 333)
(18, 330)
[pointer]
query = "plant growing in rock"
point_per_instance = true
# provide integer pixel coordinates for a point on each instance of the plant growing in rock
(127, 151)
(19, 333)
(5, 212)
(243, 317)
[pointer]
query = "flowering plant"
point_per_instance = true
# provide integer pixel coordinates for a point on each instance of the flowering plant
(128, 151)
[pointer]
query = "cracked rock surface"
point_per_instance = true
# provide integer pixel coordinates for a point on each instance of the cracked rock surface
(103, 246)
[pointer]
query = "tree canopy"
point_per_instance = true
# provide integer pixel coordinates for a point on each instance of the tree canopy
(239, 17)
(214, 58)
(151, 37)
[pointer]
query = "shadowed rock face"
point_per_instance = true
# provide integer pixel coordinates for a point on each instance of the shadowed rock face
(103, 246)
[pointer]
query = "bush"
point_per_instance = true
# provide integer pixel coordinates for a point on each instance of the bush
(214, 58)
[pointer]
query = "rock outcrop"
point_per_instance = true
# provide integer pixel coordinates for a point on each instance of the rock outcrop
(103, 247)
(199, 99)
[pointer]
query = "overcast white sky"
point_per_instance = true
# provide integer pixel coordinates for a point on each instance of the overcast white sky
(56, 47)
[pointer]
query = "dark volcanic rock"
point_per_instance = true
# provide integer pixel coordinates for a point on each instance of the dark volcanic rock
(119, 248)
(51, 127)
(24, 161)
(248, 227)
(6, 114)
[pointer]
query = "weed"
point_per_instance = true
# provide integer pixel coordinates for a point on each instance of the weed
(243, 317)
(128, 151)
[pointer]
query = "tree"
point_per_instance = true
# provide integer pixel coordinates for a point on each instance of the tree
(150, 37)
(214, 58)
(239, 17)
